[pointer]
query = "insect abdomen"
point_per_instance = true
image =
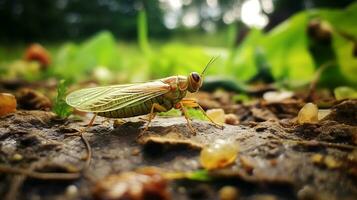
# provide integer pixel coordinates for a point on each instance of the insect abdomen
(135, 110)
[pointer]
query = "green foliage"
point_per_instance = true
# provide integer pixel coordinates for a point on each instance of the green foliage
(143, 33)
(347, 62)
(170, 113)
(344, 92)
(243, 62)
(199, 175)
(288, 54)
(178, 59)
(193, 113)
(287, 50)
(76, 61)
(61, 108)
(196, 114)
(241, 98)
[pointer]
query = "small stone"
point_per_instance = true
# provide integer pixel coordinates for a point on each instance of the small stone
(308, 114)
(30, 99)
(37, 52)
(352, 157)
(264, 197)
(102, 74)
(217, 115)
(17, 157)
(316, 158)
(307, 193)
(277, 96)
(323, 113)
(331, 162)
(228, 193)
(135, 152)
(146, 183)
(231, 119)
(71, 191)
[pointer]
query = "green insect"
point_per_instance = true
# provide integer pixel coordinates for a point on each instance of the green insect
(129, 100)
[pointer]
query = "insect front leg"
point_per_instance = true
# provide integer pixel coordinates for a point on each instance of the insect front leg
(192, 103)
(181, 106)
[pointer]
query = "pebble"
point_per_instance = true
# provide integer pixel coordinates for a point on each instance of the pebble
(228, 193)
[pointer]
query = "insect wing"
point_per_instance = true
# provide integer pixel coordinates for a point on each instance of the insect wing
(109, 98)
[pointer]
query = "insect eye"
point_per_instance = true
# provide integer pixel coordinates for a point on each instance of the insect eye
(195, 77)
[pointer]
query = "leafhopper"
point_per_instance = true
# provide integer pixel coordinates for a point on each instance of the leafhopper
(129, 100)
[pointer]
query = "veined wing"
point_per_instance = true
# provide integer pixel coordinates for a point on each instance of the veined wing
(109, 98)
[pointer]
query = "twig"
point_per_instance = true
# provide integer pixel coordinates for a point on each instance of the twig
(326, 144)
(316, 79)
(319, 143)
(15, 185)
(39, 175)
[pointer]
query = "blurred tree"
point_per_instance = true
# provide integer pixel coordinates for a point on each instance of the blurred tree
(283, 9)
(77, 19)
(64, 19)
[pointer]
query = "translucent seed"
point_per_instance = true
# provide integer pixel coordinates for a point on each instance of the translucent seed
(308, 114)
(217, 115)
(7, 104)
(218, 154)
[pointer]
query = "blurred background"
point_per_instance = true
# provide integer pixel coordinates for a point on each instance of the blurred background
(118, 41)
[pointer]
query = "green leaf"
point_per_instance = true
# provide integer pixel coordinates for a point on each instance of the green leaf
(178, 59)
(196, 114)
(345, 93)
(74, 62)
(171, 113)
(346, 60)
(287, 51)
(61, 108)
(244, 64)
(199, 175)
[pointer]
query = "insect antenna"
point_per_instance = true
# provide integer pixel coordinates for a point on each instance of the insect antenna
(208, 64)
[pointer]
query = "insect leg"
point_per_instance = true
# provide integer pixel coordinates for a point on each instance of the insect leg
(88, 158)
(184, 111)
(192, 103)
(152, 114)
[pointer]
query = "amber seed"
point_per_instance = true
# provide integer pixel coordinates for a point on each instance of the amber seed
(219, 154)
(7, 103)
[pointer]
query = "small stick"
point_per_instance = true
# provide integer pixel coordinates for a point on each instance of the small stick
(319, 143)
(315, 80)
(39, 175)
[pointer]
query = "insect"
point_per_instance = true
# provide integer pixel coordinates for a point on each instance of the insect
(129, 100)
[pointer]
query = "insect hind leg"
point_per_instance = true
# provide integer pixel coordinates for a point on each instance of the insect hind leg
(151, 116)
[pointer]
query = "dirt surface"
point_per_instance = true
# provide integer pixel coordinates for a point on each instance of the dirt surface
(277, 158)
